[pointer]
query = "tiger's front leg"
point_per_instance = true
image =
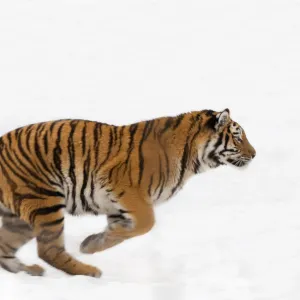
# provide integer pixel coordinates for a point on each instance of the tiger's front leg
(128, 223)
(103, 240)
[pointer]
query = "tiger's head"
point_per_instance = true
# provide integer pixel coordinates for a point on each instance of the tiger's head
(227, 142)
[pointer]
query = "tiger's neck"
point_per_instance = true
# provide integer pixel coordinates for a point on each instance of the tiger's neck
(183, 139)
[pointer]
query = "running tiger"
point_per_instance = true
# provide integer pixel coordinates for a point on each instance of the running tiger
(90, 167)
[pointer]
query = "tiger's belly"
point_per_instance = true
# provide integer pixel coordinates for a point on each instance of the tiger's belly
(98, 202)
(4, 210)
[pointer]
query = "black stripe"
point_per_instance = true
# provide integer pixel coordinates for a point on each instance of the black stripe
(141, 157)
(68, 260)
(211, 122)
(196, 163)
(28, 136)
(86, 172)
(219, 141)
(41, 128)
(162, 186)
(208, 112)
(7, 257)
(205, 148)
(72, 175)
(52, 125)
(110, 172)
(150, 186)
(160, 176)
(183, 164)
(52, 223)
(167, 162)
(115, 135)
(216, 145)
(28, 128)
(92, 188)
(44, 211)
(97, 138)
(130, 174)
(119, 167)
(55, 249)
(167, 125)
(92, 194)
(108, 150)
(178, 121)
(57, 155)
(117, 216)
(95, 134)
(39, 154)
(121, 194)
(83, 139)
(196, 166)
(45, 139)
(226, 141)
(17, 133)
(112, 169)
(47, 192)
(132, 130)
(47, 236)
(20, 197)
(11, 248)
(156, 127)
(196, 134)
(120, 138)
(9, 139)
(149, 128)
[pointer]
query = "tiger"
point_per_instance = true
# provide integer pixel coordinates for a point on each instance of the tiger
(87, 167)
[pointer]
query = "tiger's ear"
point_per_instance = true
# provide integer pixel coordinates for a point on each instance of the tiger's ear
(222, 119)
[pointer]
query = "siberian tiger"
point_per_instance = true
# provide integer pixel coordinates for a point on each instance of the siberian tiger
(90, 167)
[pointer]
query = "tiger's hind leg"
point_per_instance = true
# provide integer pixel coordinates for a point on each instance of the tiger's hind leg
(13, 235)
(48, 225)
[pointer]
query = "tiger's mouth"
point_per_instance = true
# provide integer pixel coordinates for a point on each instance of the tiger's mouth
(240, 162)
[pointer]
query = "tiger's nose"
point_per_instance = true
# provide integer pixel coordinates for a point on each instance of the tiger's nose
(253, 155)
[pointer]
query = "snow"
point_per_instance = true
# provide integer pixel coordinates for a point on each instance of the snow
(229, 234)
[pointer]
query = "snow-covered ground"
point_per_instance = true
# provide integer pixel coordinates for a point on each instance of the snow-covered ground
(228, 235)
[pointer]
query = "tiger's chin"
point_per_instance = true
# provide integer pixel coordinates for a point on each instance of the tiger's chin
(238, 164)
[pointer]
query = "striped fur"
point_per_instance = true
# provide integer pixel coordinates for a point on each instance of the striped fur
(86, 167)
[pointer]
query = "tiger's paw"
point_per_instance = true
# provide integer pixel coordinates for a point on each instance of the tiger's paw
(91, 244)
(93, 272)
(34, 270)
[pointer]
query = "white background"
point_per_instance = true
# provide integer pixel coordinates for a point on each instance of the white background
(228, 235)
